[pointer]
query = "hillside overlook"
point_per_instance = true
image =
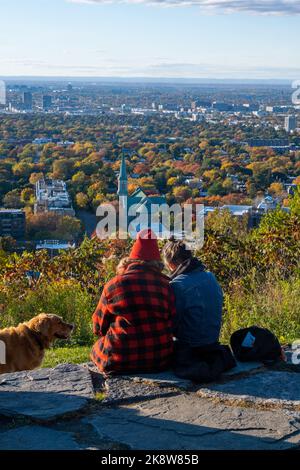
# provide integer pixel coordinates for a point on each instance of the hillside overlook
(73, 407)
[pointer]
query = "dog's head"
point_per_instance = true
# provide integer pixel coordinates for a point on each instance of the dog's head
(51, 327)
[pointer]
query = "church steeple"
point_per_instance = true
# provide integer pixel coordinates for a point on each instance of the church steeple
(122, 179)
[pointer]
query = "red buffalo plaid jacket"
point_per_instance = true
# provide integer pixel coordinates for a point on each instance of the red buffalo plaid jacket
(134, 322)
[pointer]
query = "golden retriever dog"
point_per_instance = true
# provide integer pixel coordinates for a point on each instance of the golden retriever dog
(23, 347)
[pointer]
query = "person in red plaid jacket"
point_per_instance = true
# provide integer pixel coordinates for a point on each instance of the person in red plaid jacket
(134, 317)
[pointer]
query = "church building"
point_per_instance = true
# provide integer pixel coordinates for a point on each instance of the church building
(139, 205)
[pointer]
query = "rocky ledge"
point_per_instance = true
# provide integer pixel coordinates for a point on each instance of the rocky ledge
(74, 407)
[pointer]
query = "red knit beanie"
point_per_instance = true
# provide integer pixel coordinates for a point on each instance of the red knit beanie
(145, 247)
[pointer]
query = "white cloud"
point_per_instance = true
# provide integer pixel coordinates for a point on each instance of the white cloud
(147, 68)
(260, 7)
(159, 69)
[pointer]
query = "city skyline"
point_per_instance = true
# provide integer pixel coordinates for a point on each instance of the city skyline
(155, 39)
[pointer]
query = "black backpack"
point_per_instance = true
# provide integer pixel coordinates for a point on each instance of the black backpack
(255, 344)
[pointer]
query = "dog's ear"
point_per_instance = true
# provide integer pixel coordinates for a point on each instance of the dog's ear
(42, 324)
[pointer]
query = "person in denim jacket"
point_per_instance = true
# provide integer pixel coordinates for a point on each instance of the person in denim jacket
(199, 301)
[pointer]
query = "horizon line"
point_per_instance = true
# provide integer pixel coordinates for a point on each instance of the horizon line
(145, 78)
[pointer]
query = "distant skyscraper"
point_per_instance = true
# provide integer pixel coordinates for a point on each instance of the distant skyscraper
(12, 223)
(2, 92)
(290, 123)
(47, 102)
(69, 87)
(220, 106)
(27, 100)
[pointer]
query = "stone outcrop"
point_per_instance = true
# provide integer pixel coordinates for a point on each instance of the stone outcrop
(46, 393)
(74, 407)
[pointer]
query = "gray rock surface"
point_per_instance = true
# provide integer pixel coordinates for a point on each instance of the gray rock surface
(244, 368)
(251, 408)
(169, 380)
(45, 393)
(120, 390)
(188, 422)
(162, 379)
(36, 438)
(269, 389)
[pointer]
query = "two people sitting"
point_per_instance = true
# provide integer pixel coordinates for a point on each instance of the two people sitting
(146, 321)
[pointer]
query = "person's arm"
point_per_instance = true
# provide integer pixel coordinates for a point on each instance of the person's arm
(173, 304)
(179, 304)
(101, 317)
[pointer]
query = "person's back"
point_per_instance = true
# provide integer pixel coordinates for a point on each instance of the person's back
(134, 318)
(198, 355)
(199, 301)
(199, 297)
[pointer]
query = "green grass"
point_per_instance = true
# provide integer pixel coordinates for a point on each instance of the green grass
(99, 396)
(274, 305)
(74, 355)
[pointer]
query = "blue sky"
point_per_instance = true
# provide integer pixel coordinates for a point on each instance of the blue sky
(151, 38)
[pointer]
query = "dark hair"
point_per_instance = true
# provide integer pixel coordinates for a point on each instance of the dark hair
(176, 252)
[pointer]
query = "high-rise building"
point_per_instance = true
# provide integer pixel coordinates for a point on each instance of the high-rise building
(2, 93)
(200, 104)
(47, 102)
(52, 196)
(220, 106)
(290, 123)
(12, 223)
(27, 100)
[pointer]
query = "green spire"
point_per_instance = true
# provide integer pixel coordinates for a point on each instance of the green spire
(122, 179)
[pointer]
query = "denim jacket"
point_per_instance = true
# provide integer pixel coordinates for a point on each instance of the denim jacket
(199, 301)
